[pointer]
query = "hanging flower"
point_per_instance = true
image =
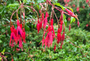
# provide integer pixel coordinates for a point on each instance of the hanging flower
(54, 47)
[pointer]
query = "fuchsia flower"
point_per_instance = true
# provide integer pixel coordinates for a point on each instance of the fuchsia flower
(78, 23)
(12, 39)
(45, 20)
(38, 26)
(50, 36)
(59, 35)
(87, 1)
(17, 35)
(77, 9)
(70, 12)
(73, 5)
(86, 25)
(55, 47)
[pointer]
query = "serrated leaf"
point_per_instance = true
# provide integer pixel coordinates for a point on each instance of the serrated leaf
(72, 20)
(13, 5)
(58, 4)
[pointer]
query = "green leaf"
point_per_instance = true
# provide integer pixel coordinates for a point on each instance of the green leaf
(13, 5)
(65, 21)
(70, 8)
(27, 28)
(58, 4)
(3, 51)
(0, 58)
(0, 41)
(24, 1)
(72, 20)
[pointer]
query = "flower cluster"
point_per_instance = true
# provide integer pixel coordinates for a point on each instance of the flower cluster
(17, 35)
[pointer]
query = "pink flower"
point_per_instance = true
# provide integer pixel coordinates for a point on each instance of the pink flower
(77, 9)
(87, 1)
(66, 4)
(63, 36)
(23, 35)
(73, 5)
(38, 26)
(12, 39)
(78, 23)
(86, 25)
(54, 47)
(70, 12)
(58, 35)
(45, 22)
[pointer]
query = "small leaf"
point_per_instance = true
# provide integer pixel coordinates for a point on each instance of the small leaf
(24, 1)
(72, 20)
(27, 28)
(58, 4)
(65, 21)
(3, 51)
(0, 58)
(0, 41)
(13, 5)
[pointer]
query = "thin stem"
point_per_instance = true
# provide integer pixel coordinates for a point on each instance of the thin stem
(12, 16)
(33, 9)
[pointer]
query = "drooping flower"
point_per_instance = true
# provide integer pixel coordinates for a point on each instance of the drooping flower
(78, 23)
(38, 26)
(86, 25)
(54, 47)
(70, 12)
(12, 39)
(87, 1)
(59, 35)
(77, 9)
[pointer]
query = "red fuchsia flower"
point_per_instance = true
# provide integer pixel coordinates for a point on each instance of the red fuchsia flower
(78, 23)
(68, 1)
(42, 16)
(66, 4)
(86, 25)
(17, 49)
(23, 35)
(77, 9)
(70, 12)
(69, 19)
(49, 39)
(59, 35)
(12, 39)
(73, 5)
(45, 20)
(38, 26)
(52, 27)
(87, 1)
(54, 47)
(12, 60)
(63, 36)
